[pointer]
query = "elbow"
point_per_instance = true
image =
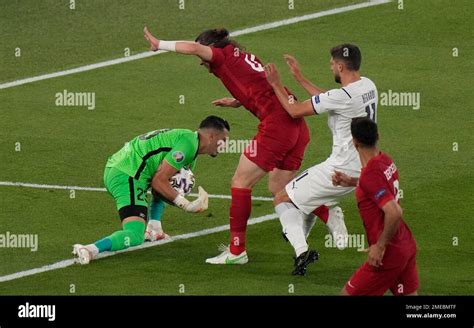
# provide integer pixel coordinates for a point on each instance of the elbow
(400, 214)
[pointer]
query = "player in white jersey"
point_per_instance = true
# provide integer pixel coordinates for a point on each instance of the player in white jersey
(357, 97)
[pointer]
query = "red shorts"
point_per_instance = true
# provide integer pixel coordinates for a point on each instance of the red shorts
(401, 278)
(280, 143)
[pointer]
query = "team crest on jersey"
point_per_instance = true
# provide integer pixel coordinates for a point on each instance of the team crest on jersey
(380, 193)
(178, 156)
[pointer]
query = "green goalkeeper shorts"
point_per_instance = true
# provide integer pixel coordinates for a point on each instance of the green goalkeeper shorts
(130, 195)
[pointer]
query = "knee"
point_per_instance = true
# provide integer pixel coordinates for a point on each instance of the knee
(273, 187)
(239, 181)
(236, 181)
(280, 197)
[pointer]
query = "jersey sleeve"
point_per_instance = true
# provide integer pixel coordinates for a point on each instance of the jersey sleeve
(218, 57)
(377, 188)
(331, 100)
(183, 153)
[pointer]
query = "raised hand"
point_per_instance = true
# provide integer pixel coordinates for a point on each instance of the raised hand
(201, 203)
(293, 65)
(226, 102)
(154, 42)
(342, 179)
(272, 74)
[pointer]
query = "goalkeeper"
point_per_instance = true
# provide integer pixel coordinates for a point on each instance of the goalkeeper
(149, 161)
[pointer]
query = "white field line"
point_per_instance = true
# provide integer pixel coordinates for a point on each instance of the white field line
(48, 186)
(69, 262)
(141, 55)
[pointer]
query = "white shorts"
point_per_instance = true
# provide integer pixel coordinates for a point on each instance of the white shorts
(313, 187)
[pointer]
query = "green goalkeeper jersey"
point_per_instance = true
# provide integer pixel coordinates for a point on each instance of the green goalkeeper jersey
(140, 157)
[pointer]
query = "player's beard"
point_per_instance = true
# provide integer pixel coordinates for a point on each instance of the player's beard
(337, 78)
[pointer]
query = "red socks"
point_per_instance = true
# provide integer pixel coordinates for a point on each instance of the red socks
(322, 212)
(240, 208)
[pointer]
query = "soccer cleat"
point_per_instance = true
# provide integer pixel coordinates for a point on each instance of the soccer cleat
(84, 256)
(153, 235)
(337, 227)
(226, 257)
(302, 262)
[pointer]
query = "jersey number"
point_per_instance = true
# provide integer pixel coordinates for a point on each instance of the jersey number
(151, 134)
(253, 63)
(141, 194)
(371, 112)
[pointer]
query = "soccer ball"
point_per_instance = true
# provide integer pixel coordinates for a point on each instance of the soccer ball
(182, 182)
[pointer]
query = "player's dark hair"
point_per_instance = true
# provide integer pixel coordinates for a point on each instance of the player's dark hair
(214, 122)
(364, 131)
(217, 37)
(349, 54)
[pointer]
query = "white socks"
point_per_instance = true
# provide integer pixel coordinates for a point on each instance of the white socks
(308, 223)
(155, 225)
(292, 221)
(93, 249)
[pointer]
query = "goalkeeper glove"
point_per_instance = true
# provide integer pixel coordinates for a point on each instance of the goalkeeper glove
(200, 204)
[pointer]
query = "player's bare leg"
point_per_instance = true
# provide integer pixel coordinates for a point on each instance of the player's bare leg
(278, 179)
(132, 234)
(246, 176)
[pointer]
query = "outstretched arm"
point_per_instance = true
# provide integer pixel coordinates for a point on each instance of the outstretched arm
(227, 102)
(299, 77)
(182, 47)
(292, 106)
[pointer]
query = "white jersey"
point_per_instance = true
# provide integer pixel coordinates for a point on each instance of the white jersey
(357, 99)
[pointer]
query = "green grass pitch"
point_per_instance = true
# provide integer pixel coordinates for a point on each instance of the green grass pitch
(425, 47)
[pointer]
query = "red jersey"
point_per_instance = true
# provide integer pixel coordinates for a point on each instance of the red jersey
(378, 184)
(244, 76)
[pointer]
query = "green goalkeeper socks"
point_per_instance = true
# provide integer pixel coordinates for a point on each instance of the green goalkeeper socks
(104, 244)
(156, 209)
(131, 235)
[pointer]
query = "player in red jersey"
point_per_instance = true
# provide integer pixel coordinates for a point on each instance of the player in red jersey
(391, 262)
(280, 142)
